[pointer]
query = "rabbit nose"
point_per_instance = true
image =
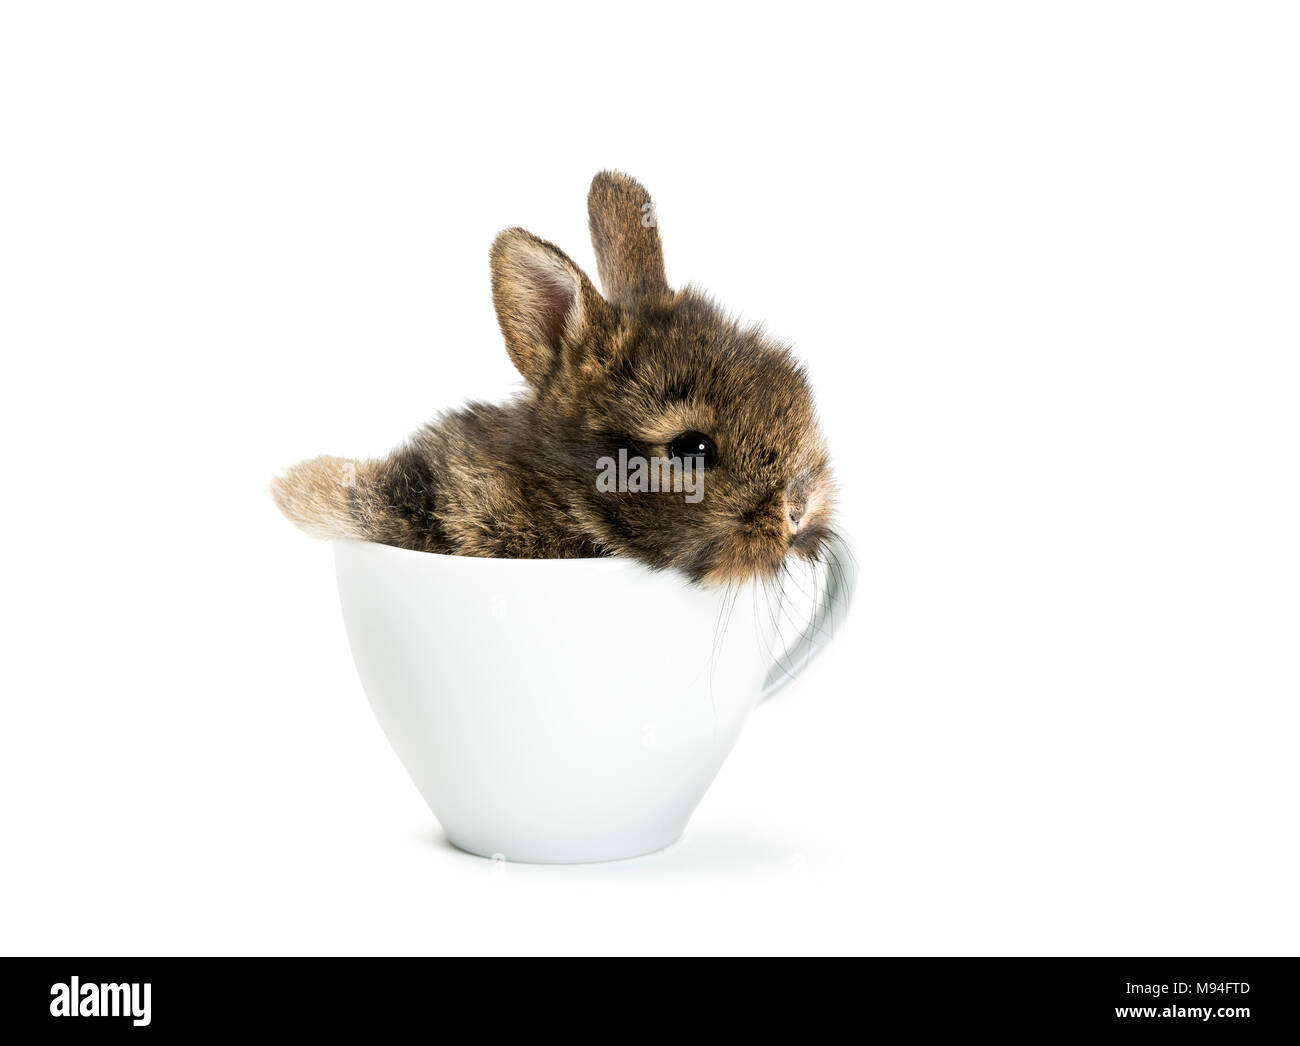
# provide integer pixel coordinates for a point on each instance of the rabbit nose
(795, 513)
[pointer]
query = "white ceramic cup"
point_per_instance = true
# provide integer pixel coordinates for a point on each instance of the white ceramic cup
(563, 711)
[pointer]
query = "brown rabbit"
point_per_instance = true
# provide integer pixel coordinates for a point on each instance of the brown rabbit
(655, 373)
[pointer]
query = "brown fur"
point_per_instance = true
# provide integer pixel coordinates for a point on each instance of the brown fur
(629, 370)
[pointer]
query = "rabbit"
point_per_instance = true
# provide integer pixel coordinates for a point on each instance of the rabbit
(661, 374)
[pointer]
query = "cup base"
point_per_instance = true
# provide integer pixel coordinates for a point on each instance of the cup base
(569, 855)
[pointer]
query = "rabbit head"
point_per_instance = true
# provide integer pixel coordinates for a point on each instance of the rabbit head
(660, 375)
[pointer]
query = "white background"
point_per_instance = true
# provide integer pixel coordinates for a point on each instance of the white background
(1041, 261)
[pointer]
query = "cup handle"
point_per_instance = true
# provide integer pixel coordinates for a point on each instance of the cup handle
(839, 578)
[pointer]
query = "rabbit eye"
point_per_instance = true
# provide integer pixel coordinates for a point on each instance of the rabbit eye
(694, 445)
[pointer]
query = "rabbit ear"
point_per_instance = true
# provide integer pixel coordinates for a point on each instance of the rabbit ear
(544, 302)
(625, 233)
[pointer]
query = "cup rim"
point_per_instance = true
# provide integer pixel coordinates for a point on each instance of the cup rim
(590, 563)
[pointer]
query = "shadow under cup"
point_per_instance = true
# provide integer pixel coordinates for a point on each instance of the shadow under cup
(564, 711)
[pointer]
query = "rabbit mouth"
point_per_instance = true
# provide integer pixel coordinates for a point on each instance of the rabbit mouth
(782, 525)
(810, 541)
(756, 552)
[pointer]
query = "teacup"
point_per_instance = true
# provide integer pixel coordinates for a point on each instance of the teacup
(563, 711)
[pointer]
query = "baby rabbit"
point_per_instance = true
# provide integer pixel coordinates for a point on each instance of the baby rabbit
(652, 372)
